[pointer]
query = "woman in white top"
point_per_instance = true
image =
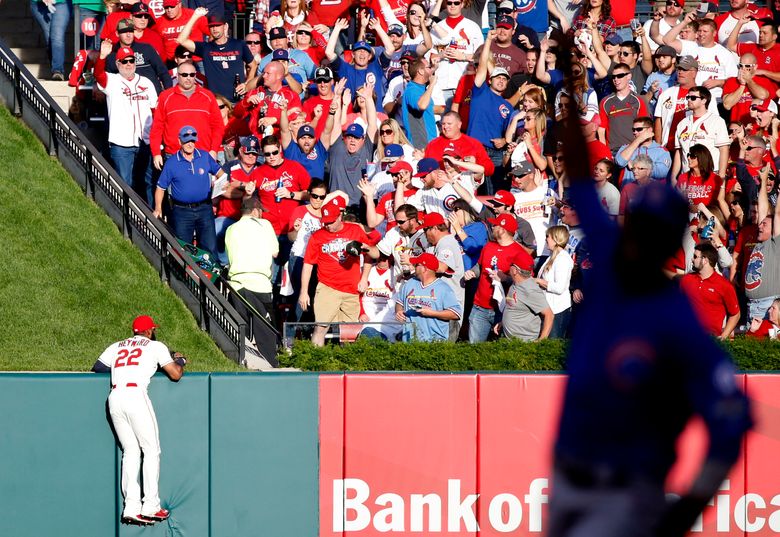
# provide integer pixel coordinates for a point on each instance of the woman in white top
(554, 278)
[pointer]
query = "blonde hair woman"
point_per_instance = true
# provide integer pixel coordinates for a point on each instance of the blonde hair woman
(554, 278)
(390, 132)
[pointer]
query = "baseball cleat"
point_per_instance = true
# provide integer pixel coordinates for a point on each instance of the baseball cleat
(159, 516)
(136, 520)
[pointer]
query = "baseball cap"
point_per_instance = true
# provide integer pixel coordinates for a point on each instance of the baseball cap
(323, 74)
(764, 106)
(188, 134)
(397, 29)
(140, 8)
(505, 21)
(362, 45)
(506, 5)
(431, 220)
(503, 197)
(250, 145)
(124, 52)
(522, 260)
(665, 50)
(331, 211)
(426, 166)
(400, 166)
(306, 130)
(409, 55)
(216, 20)
(394, 151)
(171, 3)
(704, 8)
(613, 39)
(429, 261)
(143, 323)
(277, 33)
(506, 221)
(355, 130)
(524, 168)
(280, 54)
(688, 63)
(125, 25)
(499, 71)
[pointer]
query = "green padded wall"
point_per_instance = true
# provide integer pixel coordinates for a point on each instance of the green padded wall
(264, 453)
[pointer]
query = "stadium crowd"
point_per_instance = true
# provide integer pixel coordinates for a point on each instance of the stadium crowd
(399, 163)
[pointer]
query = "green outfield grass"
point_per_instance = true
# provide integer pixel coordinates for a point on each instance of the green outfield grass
(71, 284)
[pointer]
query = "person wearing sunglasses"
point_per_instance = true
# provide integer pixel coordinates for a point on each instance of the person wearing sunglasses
(740, 91)
(147, 62)
(300, 66)
(763, 113)
(181, 55)
(131, 99)
(310, 41)
(227, 62)
(143, 21)
(644, 144)
(619, 110)
(302, 144)
(255, 44)
(767, 51)
(704, 127)
(745, 19)
(175, 16)
(457, 39)
(629, 55)
(665, 17)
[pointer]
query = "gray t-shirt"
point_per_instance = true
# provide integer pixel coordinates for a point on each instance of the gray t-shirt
(524, 303)
(347, 169)
(762, 272)
(449, 252)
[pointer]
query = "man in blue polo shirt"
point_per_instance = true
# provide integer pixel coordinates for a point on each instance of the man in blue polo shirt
(224, 58)
(186, 174)
(490, 112)
(426, 303)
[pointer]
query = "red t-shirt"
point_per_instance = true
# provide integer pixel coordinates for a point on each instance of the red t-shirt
(768, 60)
(712, 299)
(623, 11)
(399, 8)
(763, 329)
(598, 150)
(698, 190)
(463, 98)
(169, 30)
(150, 37)
(385, 206)
(494, 255)
(741, 111)
(294, 177)
(231, 207)
(328, 11)
(310, 104)
(269, 107)
(335, 268)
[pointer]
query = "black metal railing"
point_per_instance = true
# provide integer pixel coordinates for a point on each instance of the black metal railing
(27, 99)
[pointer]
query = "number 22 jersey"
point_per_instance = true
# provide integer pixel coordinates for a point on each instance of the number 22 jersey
(135, 360)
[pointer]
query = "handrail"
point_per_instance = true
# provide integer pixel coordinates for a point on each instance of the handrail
(26, 99)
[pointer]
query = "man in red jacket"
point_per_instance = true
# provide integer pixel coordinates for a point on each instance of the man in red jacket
(186, 104)
(453, 142)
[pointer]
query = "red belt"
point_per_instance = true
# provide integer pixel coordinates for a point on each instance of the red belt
(129, 385)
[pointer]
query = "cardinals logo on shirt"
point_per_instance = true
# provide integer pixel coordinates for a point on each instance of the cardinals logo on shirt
(753, 270)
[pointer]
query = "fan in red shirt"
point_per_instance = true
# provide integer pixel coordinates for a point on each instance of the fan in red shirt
(712, 296)
(171, 24)
(452, 141)
(281, 185)
(323, 77)
(329, 11)
(261, 107)
(740, 91)
(335, 250)
(700, 184)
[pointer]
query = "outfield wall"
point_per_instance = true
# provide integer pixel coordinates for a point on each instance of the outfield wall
(302, 455)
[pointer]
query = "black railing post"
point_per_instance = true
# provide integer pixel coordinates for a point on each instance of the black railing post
(125, 214)
(203, 310)
(52, 134)
(89, 183)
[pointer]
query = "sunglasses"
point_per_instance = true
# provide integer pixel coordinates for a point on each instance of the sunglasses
(401, 222)
(222, 106)
(746, 65)
(752, 147)
(619, 75)
(127, 60)
(557, 159)
(733, 131)
(322, 80)
(185, 75)
(254, 42)
(638, 129)
(171, 7)
(271, 153)
(692, 97)
(690, 156)
(314, 196)
(303, 32)
(141, 17)
(453, 3)
(384, 132)
(625, 53)
(672, 4)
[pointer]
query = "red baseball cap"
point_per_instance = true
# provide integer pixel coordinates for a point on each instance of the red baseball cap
(432, 220)
(523, 261)
(142, 323)
(429, 261)
(503, 197)
(124, 52)
(331, 211)
(506, 221)
(400, 166)
(170, 3)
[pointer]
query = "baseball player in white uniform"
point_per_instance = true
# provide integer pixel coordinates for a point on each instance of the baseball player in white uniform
(132, 363)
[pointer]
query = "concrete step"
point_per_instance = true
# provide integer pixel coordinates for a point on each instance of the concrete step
(41, 71)
(60, 92)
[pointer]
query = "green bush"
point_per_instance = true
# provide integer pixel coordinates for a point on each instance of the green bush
(503, 355)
